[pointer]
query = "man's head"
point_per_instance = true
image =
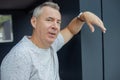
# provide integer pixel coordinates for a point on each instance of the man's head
(46, 22)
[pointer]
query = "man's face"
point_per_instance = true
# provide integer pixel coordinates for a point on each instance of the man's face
(47, 25)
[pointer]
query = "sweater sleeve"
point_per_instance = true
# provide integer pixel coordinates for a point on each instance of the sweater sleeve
(15, 66)
(59, 42)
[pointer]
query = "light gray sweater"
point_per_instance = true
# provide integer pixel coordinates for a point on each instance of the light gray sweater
(28, 62)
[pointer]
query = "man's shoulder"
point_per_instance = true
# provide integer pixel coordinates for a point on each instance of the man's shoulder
(20, 49)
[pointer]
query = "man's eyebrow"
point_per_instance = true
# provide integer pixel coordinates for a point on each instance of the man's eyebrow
(50, 18)
(54, 18)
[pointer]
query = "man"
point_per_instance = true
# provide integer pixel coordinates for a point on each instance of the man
(34, 57)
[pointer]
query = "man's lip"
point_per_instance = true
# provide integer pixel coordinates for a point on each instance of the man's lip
(52, 34)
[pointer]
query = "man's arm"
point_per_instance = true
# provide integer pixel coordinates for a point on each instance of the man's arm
(76, 25)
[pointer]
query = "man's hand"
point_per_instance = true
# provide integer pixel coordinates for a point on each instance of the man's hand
(91, 19)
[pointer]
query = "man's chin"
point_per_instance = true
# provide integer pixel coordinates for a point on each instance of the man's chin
(51, 41)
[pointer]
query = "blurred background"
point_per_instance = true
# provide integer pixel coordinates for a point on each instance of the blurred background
(88, 56)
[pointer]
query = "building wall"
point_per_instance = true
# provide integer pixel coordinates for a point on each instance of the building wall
(100, 52)
(111, 16)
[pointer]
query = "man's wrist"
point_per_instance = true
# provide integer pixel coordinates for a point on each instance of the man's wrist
(79, 17)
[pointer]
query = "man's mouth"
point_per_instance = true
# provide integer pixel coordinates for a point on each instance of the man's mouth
(52, 34)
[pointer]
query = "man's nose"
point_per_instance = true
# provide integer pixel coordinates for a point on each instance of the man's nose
(54, 25)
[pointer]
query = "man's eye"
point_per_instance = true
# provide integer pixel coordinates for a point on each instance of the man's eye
(48, 20)
(59, 22)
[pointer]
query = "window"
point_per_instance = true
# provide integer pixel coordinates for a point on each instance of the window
(6, 34)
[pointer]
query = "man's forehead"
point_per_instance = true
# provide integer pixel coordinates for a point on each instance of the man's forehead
(51, 12)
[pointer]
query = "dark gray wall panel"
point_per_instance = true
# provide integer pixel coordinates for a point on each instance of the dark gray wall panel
(111, 17)
(91, 44)
(70, 54)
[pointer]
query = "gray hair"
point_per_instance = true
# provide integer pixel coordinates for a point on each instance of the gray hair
(37, 10)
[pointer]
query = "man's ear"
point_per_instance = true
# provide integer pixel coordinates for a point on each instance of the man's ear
(33, 22)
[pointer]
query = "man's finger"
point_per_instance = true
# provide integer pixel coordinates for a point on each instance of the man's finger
(91, 27)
